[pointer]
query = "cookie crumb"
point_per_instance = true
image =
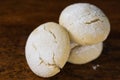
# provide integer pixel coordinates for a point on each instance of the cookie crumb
(95, 67)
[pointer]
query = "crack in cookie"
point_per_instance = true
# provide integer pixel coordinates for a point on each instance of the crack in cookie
(50, 33)
(92, 21)
(49, 64)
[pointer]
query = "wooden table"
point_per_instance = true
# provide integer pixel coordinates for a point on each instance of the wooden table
(19, 17)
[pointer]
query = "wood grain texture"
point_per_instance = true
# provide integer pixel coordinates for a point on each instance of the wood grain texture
(19, 17)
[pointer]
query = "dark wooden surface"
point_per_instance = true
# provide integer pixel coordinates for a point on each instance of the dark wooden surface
(19, 17)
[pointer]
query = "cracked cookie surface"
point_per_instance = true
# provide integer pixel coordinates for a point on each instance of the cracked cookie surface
(86, 23)
(47, 49)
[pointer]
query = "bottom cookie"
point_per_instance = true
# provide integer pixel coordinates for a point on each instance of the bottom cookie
(84, 54)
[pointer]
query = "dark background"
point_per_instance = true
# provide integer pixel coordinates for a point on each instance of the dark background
(19, 17)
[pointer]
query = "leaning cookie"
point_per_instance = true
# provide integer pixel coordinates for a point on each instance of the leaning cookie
(86, 23)
(47, 49)
(84, 54)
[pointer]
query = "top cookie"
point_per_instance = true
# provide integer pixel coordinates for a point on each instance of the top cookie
(47, 49)
(85, 23)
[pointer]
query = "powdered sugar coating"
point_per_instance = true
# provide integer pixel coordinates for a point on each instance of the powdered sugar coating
(47, 49)
(86, 23)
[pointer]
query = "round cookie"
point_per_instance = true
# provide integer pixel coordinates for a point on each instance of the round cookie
(86, 23)
(47, 49)
(84, 54)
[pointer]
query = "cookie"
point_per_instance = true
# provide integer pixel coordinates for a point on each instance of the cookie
(84, 54)
(47, 49)
(86, 23)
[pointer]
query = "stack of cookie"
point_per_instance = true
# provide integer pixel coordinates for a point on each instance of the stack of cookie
(78, 39)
